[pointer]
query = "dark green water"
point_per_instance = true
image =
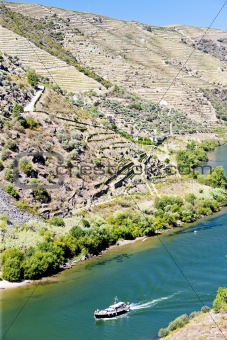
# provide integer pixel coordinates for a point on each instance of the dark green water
(142, 273)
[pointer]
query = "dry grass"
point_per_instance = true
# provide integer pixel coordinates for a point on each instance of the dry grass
(208, 326)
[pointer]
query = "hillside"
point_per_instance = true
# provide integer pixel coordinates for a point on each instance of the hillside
(90, 114)
(143, 59)
(202, 327)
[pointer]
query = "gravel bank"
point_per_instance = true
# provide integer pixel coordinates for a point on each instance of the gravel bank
(16, 216)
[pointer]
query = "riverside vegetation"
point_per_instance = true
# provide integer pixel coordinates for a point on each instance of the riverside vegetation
(219, 306)
(93, 234)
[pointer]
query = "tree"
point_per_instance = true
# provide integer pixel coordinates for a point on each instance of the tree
(32, 78)
(12, 264)
(220, 302)
(216, 178)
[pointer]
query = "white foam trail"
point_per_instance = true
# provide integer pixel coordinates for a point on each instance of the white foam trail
(137, 306)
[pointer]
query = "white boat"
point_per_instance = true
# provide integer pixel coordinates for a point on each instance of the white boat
(118, 308)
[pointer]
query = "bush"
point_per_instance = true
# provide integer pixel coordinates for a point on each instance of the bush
(5, 153)
(8, 175)
(163, 332)
(12, 191)
(220, 302)
(26, 167)
(205, 309)
(77, 232)
(40, 194)
(17, 109)
(32, 77)
(57, 221)
(179, 322)
(193, 315)
(12, 264)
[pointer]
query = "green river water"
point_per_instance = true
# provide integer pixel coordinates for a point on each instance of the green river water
(146, 274)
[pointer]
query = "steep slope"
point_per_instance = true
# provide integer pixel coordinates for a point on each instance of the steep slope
(65, 76)
(145, 60)
(61, 147)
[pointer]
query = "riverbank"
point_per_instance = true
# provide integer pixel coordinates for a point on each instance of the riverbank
(4, 284)
(121, 243)
(207, 326)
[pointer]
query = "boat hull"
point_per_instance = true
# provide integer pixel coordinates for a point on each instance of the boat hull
(110, 315)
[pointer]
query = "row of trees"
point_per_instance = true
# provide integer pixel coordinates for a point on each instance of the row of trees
(91, 237)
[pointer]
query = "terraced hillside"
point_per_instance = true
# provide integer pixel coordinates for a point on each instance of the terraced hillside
(96, 162)
(65, 76)
(145, 60)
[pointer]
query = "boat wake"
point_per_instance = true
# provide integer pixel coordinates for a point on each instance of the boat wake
(137, 306)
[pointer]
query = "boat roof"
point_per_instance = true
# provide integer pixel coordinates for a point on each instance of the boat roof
(117, 305)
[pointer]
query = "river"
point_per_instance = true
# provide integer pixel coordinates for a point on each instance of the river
(163, 277)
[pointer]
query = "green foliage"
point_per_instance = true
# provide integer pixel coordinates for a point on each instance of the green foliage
(12, 264)
(5, 153)
(41, 194)
(77, 232)
(4, 217)
(57, 221)
(26, 167)
(31, 123)
(165, 201)
(216, 178)
(17, 109)
(190, 158)
(12, 191)
(194, 315)
(163, 332)
(205, 309)
(32, 77)
(41, 263)
(8, 175)
(179, 322)
(220, 302)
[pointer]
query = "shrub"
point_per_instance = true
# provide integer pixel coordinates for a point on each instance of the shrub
(17, 109)
(26, 167)
(57, 221)
(40, 194)
(179, 322)
(12, 264)
(77, 232)
(205, 309)
(5, 153)
(8, 175)
(193, 315)
(31, 123)
(163, 332)
(12, 191)
(220, 302)
(32, 77)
